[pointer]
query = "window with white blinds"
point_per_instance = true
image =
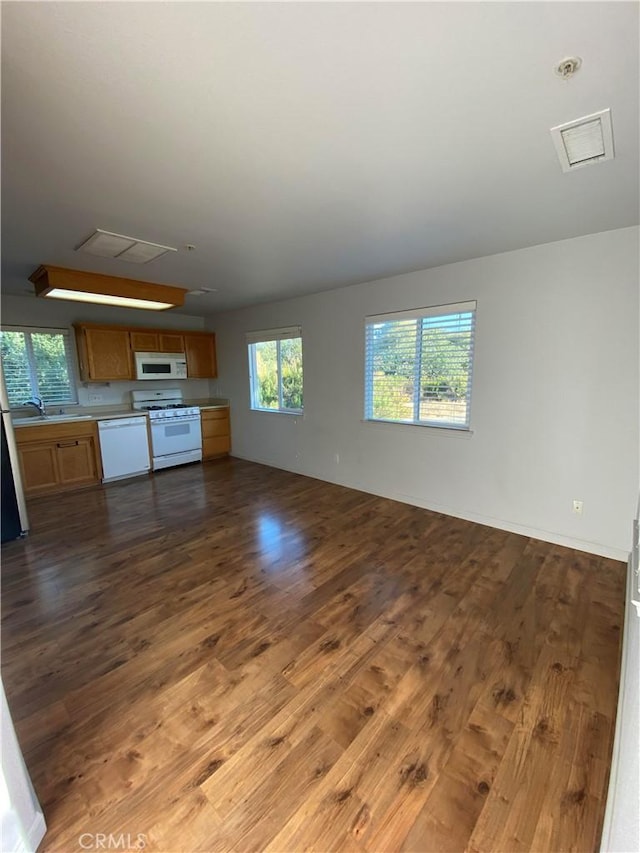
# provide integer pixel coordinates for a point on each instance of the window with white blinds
(419, 365)
(37, 363)
(275, 370)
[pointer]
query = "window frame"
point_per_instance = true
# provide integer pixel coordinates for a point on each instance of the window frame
(419, 315)
(263, 337)
(28, 331)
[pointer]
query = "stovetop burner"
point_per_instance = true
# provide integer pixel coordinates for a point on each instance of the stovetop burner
(168, 406)
(163, 404)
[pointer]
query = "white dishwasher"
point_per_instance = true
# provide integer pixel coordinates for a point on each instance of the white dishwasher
(124, 447)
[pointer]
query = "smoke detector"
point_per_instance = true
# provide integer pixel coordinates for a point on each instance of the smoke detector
(584, 141)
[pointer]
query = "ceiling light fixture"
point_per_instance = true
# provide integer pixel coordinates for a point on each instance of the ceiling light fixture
(583, 141)
(105, 244)
(78, 286)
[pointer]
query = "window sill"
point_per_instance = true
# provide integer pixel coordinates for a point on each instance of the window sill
(295, 412)
(445, 432)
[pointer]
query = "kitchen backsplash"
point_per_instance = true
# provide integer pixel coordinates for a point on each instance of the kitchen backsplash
(118, 393)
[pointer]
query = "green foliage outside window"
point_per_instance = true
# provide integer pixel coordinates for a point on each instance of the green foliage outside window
(35, 364)
(266, 355)
(277, 380)
(419, 369)
(291, 367)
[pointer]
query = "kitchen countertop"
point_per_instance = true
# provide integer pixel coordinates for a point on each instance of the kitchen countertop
(77, 417)
(209, 403)
(101, 413)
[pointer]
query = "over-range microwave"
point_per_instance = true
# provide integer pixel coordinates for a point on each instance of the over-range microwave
(161, 365)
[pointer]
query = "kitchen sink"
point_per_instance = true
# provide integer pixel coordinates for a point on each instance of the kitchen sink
(67, 417)
(50, 419)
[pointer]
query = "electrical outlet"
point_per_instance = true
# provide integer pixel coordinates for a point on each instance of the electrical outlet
(577, 507)
(95, 398)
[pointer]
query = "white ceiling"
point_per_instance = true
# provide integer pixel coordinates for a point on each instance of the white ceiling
(306, 146)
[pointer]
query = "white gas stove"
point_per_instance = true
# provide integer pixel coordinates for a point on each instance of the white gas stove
(176, 436)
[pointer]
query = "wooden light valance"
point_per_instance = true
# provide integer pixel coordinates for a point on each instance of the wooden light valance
(79, 286)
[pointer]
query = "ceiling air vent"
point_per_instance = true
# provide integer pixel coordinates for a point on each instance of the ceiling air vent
(202, 291)
(104, 244)
(584, 141)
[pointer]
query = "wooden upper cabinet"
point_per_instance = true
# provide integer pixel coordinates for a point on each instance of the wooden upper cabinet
(145, 342)
(156, 342)
(170, 343)
(201, 356)
(104, 354)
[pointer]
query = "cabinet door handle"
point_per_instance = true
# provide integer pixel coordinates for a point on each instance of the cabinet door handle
(68, 443)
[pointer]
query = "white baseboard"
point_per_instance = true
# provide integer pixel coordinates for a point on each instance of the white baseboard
(36, 831)
(621, 828)
(596, 548)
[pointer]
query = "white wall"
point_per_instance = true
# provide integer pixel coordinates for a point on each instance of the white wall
(22, 825)
(29, 311)
(555, 400)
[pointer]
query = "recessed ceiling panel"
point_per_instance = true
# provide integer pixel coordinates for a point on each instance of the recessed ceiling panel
(105, 244)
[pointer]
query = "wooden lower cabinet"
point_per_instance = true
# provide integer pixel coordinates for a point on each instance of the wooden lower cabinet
(216, 432)
(76, 462)
(57, 457)
(39, 467)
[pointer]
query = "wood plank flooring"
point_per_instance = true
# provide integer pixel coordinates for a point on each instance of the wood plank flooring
(234, 658)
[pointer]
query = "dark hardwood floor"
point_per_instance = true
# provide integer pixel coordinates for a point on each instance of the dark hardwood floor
(233, 658)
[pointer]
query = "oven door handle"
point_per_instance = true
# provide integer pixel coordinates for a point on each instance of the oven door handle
(188, 420)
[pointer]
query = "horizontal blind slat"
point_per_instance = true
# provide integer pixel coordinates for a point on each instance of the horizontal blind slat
(446, 347)
(265, 335)
(36, 329)
(418, 313)
(37, 362)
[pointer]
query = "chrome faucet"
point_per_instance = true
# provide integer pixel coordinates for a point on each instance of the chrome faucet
(37, 403)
